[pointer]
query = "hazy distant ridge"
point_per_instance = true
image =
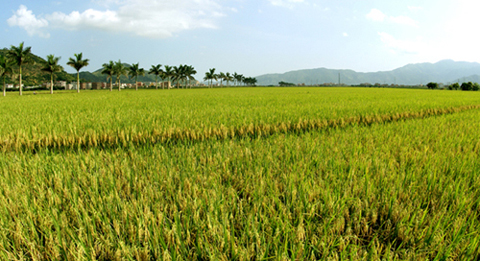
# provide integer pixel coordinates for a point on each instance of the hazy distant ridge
(446, 71)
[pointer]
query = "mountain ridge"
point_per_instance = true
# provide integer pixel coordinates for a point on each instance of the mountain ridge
(444, 71)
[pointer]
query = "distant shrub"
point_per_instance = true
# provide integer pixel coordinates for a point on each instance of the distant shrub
(466, 86)
(454, 86)
(475, 87)
(432, 85)
(285, 84)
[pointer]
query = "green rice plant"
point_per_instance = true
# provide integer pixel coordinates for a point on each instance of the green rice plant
(104, 119)
(398, 182)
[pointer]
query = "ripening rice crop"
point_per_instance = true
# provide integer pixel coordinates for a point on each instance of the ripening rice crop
(395, 179)
(103, 119)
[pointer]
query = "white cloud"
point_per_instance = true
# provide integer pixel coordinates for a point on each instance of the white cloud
(285, 3)
(457, 38)
(412, 47)
(345, 34)
(378, 16)
(25, 19)
(148, 18)
(88, 19)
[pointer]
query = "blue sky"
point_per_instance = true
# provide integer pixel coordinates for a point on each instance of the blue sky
(251, 37)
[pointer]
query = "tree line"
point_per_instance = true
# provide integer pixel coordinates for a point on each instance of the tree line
(181, 76)
(237, 79)
(466, 86)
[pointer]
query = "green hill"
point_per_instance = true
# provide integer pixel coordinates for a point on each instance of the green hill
(32, 74)
(446, 71)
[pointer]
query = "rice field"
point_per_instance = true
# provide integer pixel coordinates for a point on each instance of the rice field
(241, 174)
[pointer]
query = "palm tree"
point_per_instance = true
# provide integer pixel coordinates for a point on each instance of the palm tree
(134, 71)
(20, 55)
(51, 66)
(189, 72)
(238, 78)
(241, 78)
(228, 78)
(168, 73)
(109, 70)
(78, 63)
(119, 70)
(210, 76)
(6, 67)
(157, 71)
(221, 77)
(235, 76)
(178, 74)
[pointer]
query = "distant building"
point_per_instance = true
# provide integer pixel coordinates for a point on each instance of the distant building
(98, 85)
(167, 85)
(122, 86)
(83, 85)
(61, 84)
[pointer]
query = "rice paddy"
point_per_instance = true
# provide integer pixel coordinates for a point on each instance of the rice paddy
(241, 174)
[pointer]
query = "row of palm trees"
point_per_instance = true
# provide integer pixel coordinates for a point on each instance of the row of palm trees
(181, 75)
(237, 79)
(20, 55)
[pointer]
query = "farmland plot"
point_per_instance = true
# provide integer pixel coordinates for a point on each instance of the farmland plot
(281, 174)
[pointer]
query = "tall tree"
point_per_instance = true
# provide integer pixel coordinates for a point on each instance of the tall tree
(221, 77)
(210, 76)
(109, 70)
(51, 66)
(157, 71)
(235, 76)
(238, 78)
(78, 63)
(6, 68)
(189, 72)
(20, 55)
(134, 71)
(169, 73)
(241, 78)
(228, 78)
(250, 81)
(120, 70)
(178, 75)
